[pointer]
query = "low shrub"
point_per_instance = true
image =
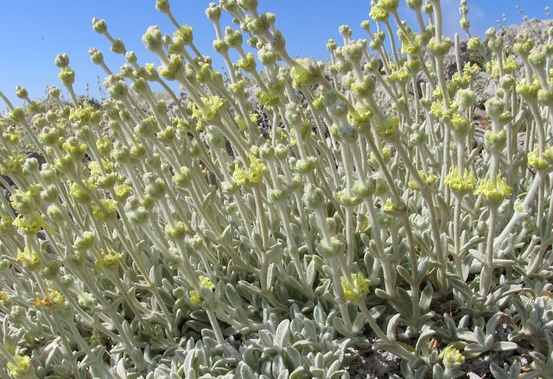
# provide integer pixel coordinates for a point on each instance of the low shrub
(286, 212)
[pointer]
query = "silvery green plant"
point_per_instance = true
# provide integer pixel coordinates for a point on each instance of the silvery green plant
(286, 211)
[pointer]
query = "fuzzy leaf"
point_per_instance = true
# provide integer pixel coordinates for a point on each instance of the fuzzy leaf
(208, 199)
(266, 338)
(467, 335)
(267, 366)
(475, 348)
(244, 372)
(303, 344)
(403, 303)
(270, 273)
(504, 346)
(189, 361)
(311, 272)
(339, 374)
(423, 340)
(196, 325)
(210, 343)
(155, 275)
(208, 333)
(382, 294)
(282, 335)
(493, 322)
(504, 263)
(319, 360)
(249, 357)
(278, 366)
(498, 372)
(405, 275)
(223, 363)
(281, 290)
(227, 232)
(232, 295)
(335, 366)
(319, 315)
(472, 243)
(298, 373)
(166, 283)
(191, 373)
(426, 298)
(309, 330)
(420, 373)
(392, 325)
(296, 325)
(422, 267)
(479, 256)
(480, 336)
(462, 287)
(437, 372)
(315, 372)
(231, 353)
(166, 297)
(359, 323)
(293, 355)
(378, 311)
(339, 326)
(120, 369)
(255, 291)
(257, 240)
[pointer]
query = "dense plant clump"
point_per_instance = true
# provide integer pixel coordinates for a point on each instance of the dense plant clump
(285, 212)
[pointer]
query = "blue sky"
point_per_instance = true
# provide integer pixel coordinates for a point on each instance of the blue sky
(33, 32)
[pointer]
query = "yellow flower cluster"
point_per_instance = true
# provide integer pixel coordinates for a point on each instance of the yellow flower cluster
(493, 190)
(206, 284)
(541, 162)
(460, 183)
(105, 209)
(452, 358)
(388, 127)
(108, 258)
(356, 288)
(30, 224)
(210, 109)
(175, 231)
(429, 179)
(21, 367)
(252, 175)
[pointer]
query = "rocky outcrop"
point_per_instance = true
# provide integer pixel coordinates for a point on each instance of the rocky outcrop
(536, 29)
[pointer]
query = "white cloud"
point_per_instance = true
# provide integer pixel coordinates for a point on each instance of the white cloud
(451, 18)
